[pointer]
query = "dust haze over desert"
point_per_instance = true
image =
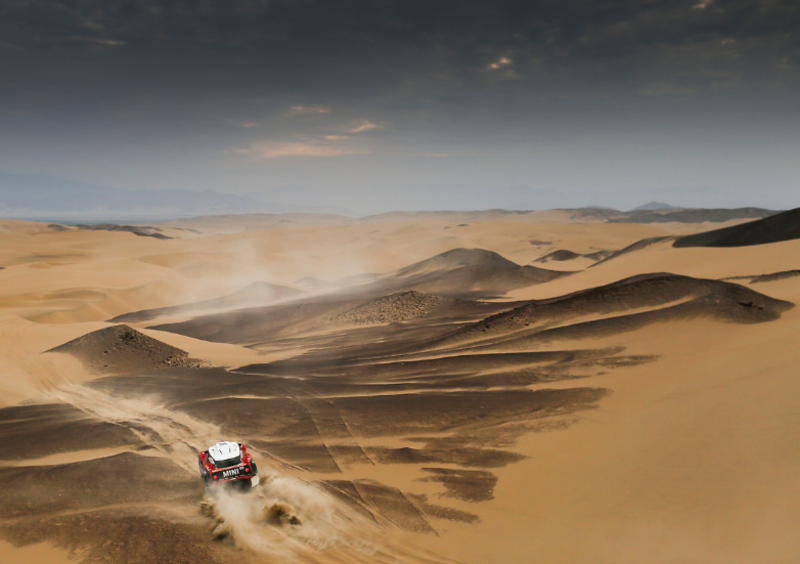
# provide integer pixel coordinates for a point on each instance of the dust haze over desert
(473, 282)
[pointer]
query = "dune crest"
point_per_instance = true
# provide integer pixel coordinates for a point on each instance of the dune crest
(784, 226)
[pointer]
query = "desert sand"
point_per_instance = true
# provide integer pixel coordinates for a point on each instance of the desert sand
(415, 388)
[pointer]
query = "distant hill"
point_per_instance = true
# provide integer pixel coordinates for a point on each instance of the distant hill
(651, 206)
(681, 215)
(255, 221)
(40, 196)
(784, 226)
(462, 219)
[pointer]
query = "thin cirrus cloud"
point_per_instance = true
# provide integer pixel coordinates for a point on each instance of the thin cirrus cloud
(361, 126)
(500, 63)
(307, 110)
(512, 90)
(297, 149)
(314, 146)
(98, 40)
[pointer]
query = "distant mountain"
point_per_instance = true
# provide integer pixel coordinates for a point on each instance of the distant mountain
(650, 206)
(459, 219)
(681, 215)
(38, 196)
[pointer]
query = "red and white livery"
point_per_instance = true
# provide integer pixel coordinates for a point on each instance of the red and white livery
(228, 462)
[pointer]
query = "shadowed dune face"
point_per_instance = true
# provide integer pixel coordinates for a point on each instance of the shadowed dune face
(466, 485)
(664, 297)
(119, 535)
(396, 307)
(388, 415)
(453, 278)
(116, 479)
(458, 273)
(409, 400)
(35, 431)
(784, 226)
(637, 246)
(255, 294)
(772, 277)
(467, 273)
(261, 324)
(459, 258)
(692, 215)
(123, 349)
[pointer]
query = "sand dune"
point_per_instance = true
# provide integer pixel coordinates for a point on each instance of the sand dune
(559, 256)
(458, 258)
(781, 227)
(773, 276)
(662, 296)
(569, 260)
(253, 325)
(254, 294)
(462, 273)
(693, 215)
(122, 349)
(139, 230)
(411, 392)
(396, 307)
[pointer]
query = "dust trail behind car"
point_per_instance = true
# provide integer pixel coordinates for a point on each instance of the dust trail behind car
(283, 517)
(174, 434)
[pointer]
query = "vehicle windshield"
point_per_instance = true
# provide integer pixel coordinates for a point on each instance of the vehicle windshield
(228, 463)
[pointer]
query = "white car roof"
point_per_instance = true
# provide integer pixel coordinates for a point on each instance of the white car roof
(224, 450)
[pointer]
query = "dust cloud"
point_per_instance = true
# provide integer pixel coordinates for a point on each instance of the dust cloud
(282, 516)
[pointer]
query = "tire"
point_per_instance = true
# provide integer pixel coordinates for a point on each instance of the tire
(203, 472)
(254, 467)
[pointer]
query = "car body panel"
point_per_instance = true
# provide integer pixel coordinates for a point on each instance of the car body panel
(215, 472)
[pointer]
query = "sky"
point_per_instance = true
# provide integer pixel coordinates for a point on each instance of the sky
(376, 105)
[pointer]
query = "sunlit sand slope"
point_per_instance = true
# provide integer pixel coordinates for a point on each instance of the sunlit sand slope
(413, 391)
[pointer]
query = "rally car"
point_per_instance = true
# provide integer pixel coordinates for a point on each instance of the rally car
(228, 462)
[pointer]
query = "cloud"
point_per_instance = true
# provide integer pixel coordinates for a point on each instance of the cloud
(98, 41)
(361, 126)
(276, 150)
(394, 53)
(492, 83)
(500, 63)
(307, 110)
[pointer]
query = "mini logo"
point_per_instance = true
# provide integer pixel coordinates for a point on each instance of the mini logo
(229, 473)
